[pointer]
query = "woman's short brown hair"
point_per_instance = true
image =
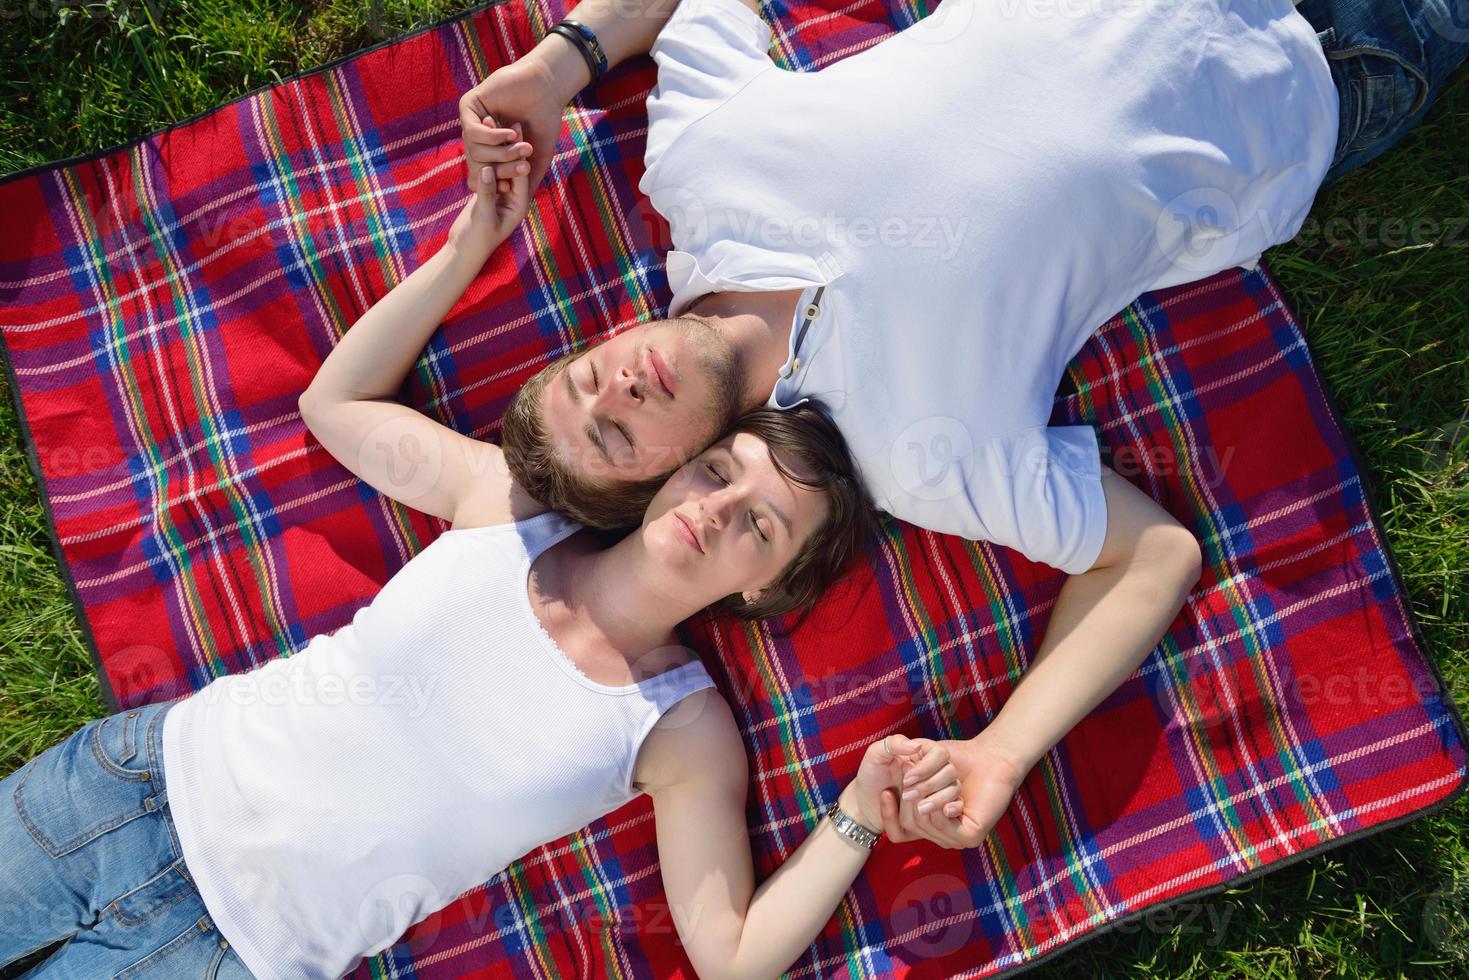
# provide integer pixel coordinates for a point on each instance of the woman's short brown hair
(814, 442)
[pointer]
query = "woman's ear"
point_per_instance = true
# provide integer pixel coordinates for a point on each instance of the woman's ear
(753, 597)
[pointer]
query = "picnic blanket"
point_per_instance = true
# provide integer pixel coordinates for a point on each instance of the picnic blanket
(165, 303)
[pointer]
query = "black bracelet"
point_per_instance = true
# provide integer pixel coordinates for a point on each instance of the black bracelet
(586, 42)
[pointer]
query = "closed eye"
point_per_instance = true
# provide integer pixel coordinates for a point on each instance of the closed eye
(754, 522)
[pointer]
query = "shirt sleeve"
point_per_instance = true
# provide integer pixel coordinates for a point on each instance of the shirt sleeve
(1038, 491)
(706, 52)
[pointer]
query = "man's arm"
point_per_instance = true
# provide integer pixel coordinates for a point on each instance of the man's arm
(1104, 624)
(534, 89)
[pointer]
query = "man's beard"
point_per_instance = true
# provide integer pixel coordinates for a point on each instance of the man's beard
(722, 365)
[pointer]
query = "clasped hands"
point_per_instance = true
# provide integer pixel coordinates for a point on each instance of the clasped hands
(951, 792)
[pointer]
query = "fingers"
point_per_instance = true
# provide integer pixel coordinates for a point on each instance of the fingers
(932, 772)
(942, 801)
(888, 810)
(499, 148)
(477, 125)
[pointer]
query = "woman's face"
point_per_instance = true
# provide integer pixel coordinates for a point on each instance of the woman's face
(728, 521)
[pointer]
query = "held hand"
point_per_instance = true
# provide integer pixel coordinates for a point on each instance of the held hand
(987, 779)
(523, 91)
(490, 215)
(885, 765)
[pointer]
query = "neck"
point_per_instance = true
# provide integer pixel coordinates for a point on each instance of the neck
(614, 594)
(758, 326)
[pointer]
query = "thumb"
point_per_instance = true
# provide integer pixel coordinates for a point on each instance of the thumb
(903, 745)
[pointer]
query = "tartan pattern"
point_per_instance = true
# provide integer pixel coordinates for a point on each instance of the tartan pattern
(165, 303)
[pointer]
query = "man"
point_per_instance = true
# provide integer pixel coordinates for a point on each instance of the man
(918, 238)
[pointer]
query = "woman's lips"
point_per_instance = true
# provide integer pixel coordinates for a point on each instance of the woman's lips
(688, 533)
(660, 371)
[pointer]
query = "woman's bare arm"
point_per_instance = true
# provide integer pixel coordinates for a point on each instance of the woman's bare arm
(351, 406)
(697, 774)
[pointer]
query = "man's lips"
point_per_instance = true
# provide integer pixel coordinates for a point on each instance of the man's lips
(688, 531)
(660, 371)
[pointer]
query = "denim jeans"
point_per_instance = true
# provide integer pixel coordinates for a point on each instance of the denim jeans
(1389, 59)
(89, 853)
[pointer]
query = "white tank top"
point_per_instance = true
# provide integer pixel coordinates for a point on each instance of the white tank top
(327, 801)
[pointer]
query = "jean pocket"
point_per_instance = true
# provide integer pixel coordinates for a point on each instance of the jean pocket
(117, 741)
(73, 793)
(1385, 92)
(194, 952)
(157, 895)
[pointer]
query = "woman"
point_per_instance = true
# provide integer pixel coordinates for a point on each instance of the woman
(513, 681)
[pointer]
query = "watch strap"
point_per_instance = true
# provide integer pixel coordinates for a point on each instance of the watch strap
(851, 829)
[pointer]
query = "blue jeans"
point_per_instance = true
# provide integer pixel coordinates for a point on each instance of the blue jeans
(89, 853)
(1389, 59)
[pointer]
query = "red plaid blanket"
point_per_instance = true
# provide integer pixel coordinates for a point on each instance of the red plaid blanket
(165, 303)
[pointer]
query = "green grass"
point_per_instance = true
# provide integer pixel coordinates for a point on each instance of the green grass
(1386, 312)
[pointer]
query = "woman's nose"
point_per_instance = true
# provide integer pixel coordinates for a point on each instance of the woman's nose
(718, 506)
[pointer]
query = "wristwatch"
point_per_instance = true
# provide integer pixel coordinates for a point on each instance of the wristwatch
(851, 829)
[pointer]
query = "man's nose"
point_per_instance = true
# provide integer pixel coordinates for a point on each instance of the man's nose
(622, 391)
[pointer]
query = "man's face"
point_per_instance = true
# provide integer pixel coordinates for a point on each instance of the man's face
(641, 403)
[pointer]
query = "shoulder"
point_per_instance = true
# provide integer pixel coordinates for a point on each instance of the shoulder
(500, 505)
(695, 743)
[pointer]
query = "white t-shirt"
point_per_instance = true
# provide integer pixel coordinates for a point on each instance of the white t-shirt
(977, 194)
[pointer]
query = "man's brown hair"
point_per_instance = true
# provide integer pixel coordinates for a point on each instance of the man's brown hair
(534, 464)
